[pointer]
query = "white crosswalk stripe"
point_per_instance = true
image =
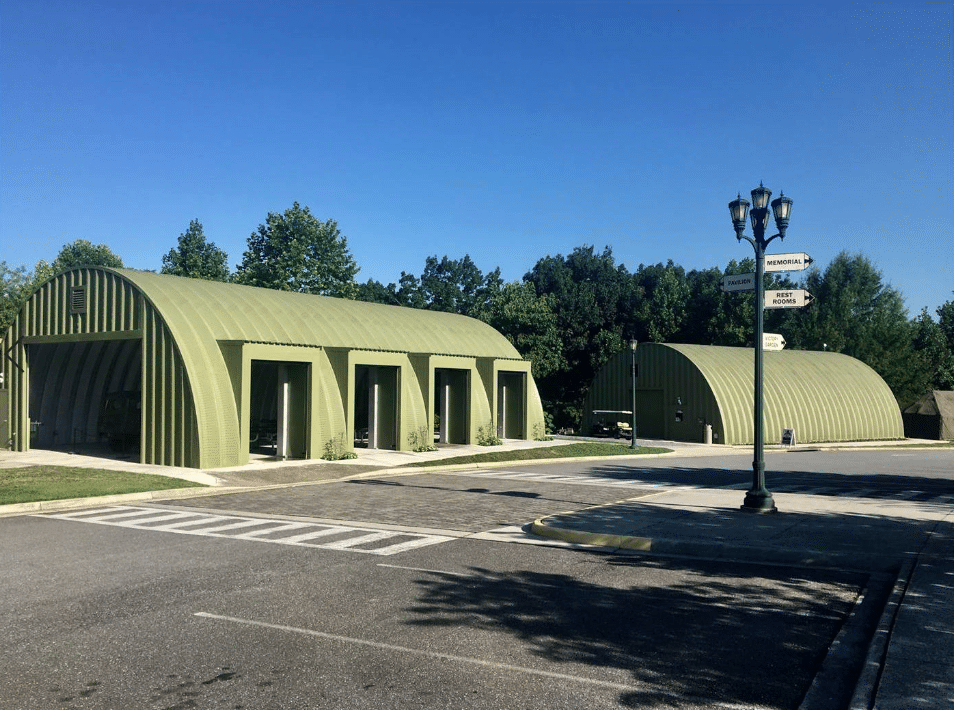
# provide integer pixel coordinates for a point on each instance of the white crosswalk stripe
(315, 535)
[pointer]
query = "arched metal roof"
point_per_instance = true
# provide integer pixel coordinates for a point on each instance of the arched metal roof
(185, 333)
(823, 396)
(233, 312)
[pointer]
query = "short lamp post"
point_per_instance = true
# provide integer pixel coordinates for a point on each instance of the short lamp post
(759, 499)
(632, 346)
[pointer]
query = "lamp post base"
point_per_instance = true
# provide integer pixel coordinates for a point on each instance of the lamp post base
(759, 501)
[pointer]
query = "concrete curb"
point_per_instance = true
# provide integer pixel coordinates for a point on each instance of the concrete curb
(867, 686)
(48, 506)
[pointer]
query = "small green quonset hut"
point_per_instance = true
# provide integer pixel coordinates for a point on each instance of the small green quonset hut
(198, 373)
(680, 389)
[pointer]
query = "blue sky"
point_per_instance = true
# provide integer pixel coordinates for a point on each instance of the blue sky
(503, 130)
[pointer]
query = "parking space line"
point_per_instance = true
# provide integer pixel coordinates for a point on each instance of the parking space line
(496, 665)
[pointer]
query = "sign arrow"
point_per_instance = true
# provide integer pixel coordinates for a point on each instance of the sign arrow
(787, 262)
(738, 282)
(795, 298)
(772, 341)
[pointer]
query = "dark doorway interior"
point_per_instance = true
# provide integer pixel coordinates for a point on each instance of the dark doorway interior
(87, 396)
(376, 406)
(511, 405)
(451, 405)
(278, 409)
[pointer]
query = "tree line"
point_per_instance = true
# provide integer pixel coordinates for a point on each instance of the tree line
(570, 314)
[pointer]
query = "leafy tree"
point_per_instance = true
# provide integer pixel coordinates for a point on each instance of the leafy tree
(16, 285)
(457, 285)
(854, 312)
(589, 293)
(936, 359)
(195, 257)
(664, 299)
(373, 291)
(529, 322)
(84, 253)
(294, 251)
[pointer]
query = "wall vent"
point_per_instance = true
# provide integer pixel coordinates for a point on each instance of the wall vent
(78, 300)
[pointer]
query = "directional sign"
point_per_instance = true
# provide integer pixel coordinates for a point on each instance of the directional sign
(738, 282)
(796, 298)
(772, 341)
(787, 262)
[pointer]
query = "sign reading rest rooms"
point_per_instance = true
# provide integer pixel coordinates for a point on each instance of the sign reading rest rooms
(796, 298)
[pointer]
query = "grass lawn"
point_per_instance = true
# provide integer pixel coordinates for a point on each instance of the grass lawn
(563, 451)
(35, 483)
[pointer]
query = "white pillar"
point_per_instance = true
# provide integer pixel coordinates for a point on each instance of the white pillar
(373, 397)
(284, 392)
(445, 410)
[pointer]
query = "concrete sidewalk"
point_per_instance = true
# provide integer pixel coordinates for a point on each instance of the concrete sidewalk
(910, 661)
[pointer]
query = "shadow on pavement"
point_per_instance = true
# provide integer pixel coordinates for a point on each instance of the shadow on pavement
(683, 633)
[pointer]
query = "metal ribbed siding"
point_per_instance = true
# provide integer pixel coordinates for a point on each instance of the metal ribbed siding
(232, 312)
(664, 375)
(195, 337)
(112, 309)
(822, 396)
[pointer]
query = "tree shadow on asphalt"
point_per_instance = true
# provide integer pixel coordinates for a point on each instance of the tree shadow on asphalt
(711, 632)
(878, 485)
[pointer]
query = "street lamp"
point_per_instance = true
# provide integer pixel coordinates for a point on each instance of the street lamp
(759, 499)
(632, 346)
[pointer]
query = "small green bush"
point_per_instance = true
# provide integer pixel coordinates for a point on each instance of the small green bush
(488, 436)
(335, 449)
(421, 441)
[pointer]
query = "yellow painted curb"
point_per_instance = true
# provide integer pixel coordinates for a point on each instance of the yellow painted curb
(581, 537)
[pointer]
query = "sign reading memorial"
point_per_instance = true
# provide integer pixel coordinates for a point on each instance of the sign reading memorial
(787, 262)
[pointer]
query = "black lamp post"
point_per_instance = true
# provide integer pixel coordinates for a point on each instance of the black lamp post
(759, 499)
(632, 345)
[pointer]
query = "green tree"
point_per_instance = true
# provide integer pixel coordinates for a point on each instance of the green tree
(84, 253)
(195, 257)
(294, 251)
(854, 312)
(457, 285)
(529, 322)
(935, 357)
(664, 300)
(593, 300)
(16, 285)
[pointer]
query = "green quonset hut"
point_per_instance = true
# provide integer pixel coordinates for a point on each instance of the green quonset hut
(197, 373)
(680, 389)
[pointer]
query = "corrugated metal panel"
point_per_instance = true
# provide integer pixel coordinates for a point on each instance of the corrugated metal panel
(94, 309)
(822, 396)
(189, 329)
(673, 399)
(231, 312)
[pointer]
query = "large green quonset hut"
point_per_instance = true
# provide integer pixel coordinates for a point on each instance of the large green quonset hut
(198, 373)
(680, 389)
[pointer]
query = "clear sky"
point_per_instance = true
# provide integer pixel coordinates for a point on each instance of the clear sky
(503, 130)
